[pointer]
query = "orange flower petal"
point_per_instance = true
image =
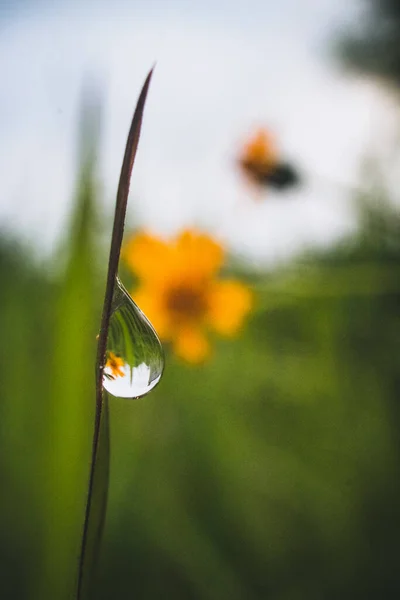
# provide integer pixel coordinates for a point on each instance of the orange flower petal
(229, 302)
(260, 150)
(191, 345)
(146, 255)
(114, 364)
(149, 300)
(197, 255)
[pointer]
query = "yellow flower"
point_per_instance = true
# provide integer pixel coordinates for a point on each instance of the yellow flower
(180, 293)
(114, 366)
(261, 163)
(259, 156)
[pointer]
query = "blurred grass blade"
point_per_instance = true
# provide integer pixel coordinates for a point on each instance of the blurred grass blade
(98, 480)
(65, 448)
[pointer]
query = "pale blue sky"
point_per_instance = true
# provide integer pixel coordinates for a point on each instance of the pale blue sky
(222, 68)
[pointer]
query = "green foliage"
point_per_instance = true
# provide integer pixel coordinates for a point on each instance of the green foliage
(271, 471)
(372, 45)
(47, 408)
(70, 417)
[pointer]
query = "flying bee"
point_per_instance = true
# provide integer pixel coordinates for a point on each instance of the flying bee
(261, 163)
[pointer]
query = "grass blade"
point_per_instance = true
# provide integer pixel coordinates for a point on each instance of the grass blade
(98, 481)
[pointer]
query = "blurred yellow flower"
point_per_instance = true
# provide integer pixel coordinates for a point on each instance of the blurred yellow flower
(180, 293)
(113, 366)
(259, 156)
(261, 163)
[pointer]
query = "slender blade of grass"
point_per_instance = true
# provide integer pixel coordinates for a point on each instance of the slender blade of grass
(98, 480)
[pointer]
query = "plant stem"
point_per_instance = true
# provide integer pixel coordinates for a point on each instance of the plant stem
(115, 249)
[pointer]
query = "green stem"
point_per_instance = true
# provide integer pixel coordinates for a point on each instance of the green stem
(116, 241)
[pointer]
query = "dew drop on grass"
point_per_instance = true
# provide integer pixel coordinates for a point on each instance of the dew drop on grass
(135, 358)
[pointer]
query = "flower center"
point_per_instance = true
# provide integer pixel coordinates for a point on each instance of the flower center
(186, 303)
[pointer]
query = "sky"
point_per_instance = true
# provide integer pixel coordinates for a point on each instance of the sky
(222, 70)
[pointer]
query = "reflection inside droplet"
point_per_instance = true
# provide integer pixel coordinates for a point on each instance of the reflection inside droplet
(135, 358)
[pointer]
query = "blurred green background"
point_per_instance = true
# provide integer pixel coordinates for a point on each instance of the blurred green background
(271, 471)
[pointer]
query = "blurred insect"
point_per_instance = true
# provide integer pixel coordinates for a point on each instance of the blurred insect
(261, 163)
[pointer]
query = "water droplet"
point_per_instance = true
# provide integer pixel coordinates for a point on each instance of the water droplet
(135, 358)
